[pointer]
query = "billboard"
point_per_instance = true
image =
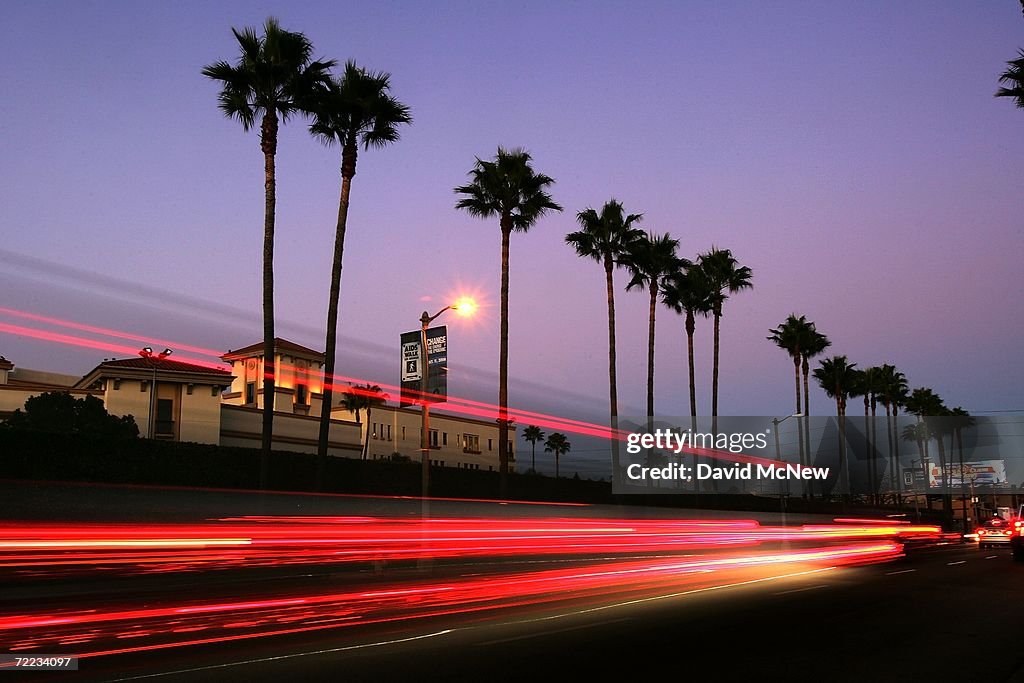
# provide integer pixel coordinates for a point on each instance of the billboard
(437, 363)
(977, 473)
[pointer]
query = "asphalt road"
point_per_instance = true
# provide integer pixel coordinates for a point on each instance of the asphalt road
(947, 614)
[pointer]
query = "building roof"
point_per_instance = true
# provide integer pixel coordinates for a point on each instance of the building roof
(281, 346)
(5, 364)
(164, 364)
(170, 371)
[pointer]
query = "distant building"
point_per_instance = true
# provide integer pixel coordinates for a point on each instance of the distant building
(183, 401)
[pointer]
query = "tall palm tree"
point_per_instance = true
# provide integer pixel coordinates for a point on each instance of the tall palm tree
(1013, 78)
(925, 404)
(558, 444)
(355, 108)
(651, 260)
(360, 397)
(275, 76)
(836, 376)
(607, 238)
(727, 277)
(866, 386)
(812, 345)
(788, 336)
(688, 292)
(959, 420)
(507, 188)
(533, 434)
(891, 393)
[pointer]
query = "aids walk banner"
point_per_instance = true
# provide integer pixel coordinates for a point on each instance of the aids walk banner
(437, 362)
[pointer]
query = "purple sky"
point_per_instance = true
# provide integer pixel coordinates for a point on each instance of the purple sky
(851, 154)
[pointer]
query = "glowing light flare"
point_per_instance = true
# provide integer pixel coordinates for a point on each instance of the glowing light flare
(465, 306)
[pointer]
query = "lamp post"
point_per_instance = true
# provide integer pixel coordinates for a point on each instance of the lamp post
(465, 307)
(778, 452)
(147, 354)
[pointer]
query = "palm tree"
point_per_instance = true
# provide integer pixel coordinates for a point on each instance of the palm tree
(788, 336)
(726, 276)
(892, 391)
(275, 76)
(959, 420)
(533, 434)
(687, 292)
(507, 188)
(925, 404)
(558, 444)
(812, 345)
(837, 376)
(356, 108)
(1014, 78)
(362, 397)
(867, 385)
(651, 260)
(607, 238)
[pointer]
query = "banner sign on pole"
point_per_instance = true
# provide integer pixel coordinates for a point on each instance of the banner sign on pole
(437, 362)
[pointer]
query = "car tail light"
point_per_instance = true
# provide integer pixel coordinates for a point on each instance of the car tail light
(981, 532)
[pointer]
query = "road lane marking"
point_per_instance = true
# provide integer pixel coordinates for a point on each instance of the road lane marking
(293, 655)
(950, 564)
(541, 634)
(991, 557)
(801, 590)
(902, 571)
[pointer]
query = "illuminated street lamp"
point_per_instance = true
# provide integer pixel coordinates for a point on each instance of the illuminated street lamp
(147, 354)
(464, 307)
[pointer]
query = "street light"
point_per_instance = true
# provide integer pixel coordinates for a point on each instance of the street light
(464, 307)
(147, 354)
(778, 458)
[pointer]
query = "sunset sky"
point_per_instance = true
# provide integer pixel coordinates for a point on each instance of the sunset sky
(851, 154)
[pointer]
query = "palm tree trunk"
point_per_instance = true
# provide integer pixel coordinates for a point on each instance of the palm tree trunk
(867, 439)
(366, 439)
(804, 423)
(268, 143)
(533, 457)
(556, 465)
(613, 398)
(506, 232)
(690, 329)
(796, 379)
(348, 171)
(896, 455)
(714, 375)
(650, 350)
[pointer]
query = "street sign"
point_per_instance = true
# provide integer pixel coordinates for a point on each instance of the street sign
(437, 363)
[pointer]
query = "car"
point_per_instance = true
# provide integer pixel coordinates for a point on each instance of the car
(1017, 539)
(996, 532)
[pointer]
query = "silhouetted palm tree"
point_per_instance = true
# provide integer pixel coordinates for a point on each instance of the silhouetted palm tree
(533, 434)
(651, 260)
(355, 109)
(925, 404)
(959, 420)
(274, 77)
(837, 376)
(891, 393)
(360, 397)
(607, 238)
(558, 444)
(688, 292)
(812, 345)
(1013, 78)
(507, 188)
(788, 336)
(727, 277)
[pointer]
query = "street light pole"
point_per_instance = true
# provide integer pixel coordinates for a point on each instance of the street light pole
(147, 354)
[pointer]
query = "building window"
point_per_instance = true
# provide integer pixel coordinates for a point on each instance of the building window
(490, 444)
(143, 387)
(433, 438)
(164, 425)
(214, 391)
(117, 384)
(374, 435)
(444, 438)
(301, 395)
(250, 393)
(389, 432)
(189, 388)
(510, 449)
(403, 433)
(471, 443)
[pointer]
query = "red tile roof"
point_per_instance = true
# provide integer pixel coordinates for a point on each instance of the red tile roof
(280, 346)
(165, 364)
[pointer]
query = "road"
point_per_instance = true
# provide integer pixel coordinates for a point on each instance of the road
(950, 614)
(329, 588)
